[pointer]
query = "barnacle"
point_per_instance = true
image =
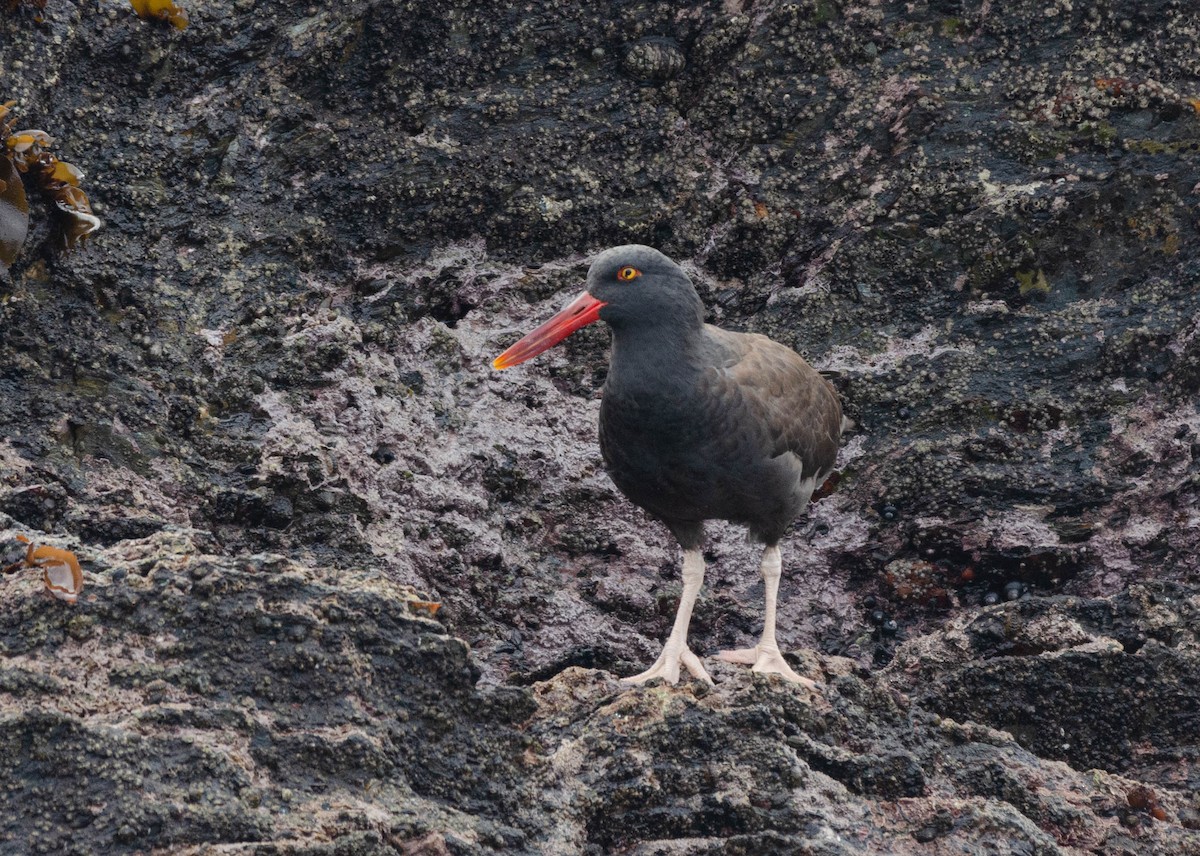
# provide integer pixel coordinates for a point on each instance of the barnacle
(920, 581)
(161, 10)
(61, 573)
(1132, 92)
(28, 153)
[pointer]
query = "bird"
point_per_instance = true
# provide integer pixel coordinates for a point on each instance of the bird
(699, 423)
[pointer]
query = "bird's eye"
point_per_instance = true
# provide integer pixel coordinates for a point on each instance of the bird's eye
(627, 273)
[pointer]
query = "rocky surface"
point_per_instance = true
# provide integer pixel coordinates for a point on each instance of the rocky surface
(258, 405)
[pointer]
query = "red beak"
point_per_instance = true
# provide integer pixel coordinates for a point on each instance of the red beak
(580, 312)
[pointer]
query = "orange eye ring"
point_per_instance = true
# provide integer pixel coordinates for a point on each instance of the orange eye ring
(627, 273)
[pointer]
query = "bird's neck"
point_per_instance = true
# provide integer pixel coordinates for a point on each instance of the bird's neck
(656, 343)
(647, 356)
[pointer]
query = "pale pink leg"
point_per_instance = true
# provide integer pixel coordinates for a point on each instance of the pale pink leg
(676, 651)
(766, 656)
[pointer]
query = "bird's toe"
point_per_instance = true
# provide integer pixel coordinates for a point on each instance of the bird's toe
(693, 664)
(651, 673)
(772, 663)
(744, 656)
(667, 668)
(767, 661)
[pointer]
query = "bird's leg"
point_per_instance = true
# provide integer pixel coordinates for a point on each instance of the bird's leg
(676, 650)
(766, 656)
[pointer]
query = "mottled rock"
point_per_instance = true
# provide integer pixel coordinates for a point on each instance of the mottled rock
(259, 407)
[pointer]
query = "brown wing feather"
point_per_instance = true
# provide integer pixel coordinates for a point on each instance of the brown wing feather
(797, 409)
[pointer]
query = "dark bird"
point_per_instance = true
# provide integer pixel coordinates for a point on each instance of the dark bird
(698, 423)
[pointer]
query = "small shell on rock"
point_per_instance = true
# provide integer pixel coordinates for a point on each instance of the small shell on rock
(61, 573)
(63, 578)
(654, 58)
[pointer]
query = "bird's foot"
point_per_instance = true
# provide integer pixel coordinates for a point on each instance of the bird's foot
(767, 660)
(667, 667)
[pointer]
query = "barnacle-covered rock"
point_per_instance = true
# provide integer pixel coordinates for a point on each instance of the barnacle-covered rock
(654, 58)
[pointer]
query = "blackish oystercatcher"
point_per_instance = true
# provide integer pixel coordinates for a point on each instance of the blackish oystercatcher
(698, 423)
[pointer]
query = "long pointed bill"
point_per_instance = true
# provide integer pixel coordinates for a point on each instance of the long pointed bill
(580, 312)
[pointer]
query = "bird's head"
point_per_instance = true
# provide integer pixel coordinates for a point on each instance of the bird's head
(627, 286)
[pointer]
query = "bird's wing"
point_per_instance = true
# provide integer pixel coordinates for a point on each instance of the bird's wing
(771, 385)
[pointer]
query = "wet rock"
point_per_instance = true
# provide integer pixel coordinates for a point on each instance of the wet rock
(260, 405)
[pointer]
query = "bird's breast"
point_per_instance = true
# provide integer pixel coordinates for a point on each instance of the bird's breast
(655, 426)
(668, 453)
